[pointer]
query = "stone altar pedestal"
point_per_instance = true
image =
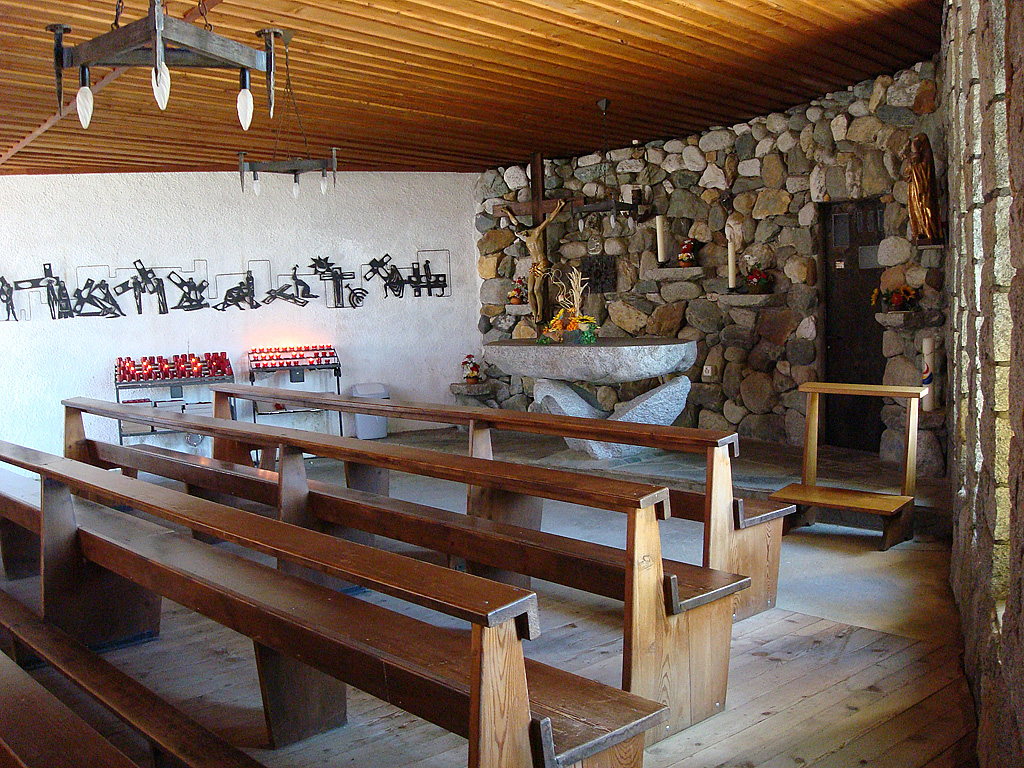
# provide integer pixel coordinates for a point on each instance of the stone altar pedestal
(609, 361)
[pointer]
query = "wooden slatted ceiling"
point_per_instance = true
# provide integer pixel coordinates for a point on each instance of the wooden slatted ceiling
(454, 85)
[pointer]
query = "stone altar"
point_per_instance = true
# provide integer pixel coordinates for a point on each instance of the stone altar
(609, 361)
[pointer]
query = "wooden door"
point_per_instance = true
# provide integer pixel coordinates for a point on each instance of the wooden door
(853, 338)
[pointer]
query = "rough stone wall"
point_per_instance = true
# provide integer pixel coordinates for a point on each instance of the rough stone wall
(987, 568)
(754, 350)
(1012, 652)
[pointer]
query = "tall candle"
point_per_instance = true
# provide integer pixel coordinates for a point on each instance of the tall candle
(732, 264)
(927, 371)
(659, 225)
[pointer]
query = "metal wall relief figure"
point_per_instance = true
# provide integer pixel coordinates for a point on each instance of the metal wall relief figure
(97, 296)
(240, 296)
(57, 298)
(192, 297)
(7, 298)
(144, 282)
(426, 281)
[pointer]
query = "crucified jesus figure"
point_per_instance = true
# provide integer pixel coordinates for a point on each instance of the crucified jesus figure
(539, 266)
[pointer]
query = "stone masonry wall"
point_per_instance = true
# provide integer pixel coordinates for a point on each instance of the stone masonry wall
(754, 350)
(985, 227)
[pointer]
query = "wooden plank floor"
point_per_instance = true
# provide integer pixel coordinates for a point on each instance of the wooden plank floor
(803, 691)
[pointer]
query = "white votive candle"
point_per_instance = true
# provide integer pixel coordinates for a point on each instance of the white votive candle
(732, 264)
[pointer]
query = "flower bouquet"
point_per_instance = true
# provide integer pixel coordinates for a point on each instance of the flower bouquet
(570, 325)
(902, 299)
(758, 281)
(518, 293)
(687, 258)
(470, 370)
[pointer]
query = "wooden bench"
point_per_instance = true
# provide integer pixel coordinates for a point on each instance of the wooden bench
(175, 738)
(897, 510)
(740, 535)
(476, 684)
(693, 644)
(38, 731)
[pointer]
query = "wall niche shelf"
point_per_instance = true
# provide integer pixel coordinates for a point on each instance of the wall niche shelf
(175, 376)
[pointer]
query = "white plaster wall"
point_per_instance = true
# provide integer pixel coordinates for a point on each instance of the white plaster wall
(168, 220)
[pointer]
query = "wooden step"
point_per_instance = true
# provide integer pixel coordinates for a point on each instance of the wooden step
(885, 504)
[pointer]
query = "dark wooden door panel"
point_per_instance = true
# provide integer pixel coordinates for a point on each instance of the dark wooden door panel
(853, 339)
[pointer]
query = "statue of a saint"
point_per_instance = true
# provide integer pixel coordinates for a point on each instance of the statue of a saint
(539, 266)
(922, 194)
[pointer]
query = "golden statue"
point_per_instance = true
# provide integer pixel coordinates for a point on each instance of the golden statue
(922, 195)
(539, 266)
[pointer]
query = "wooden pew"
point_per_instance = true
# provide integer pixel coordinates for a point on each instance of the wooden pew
(692, 644)
(740, 535)
(476, 683)
(897, 510)
(175, 738)
(38, 731)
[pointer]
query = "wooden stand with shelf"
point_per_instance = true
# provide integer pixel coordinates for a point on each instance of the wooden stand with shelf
(896, 509)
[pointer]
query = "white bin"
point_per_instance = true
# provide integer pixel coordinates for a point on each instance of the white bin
(370, 427)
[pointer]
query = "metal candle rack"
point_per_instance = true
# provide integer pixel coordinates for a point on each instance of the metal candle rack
(175, 374)
(296, 361)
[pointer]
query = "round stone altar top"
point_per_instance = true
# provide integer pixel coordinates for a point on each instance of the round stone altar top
(608, 361)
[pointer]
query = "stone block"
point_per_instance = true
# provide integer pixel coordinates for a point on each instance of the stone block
(930, 460)
(863, 130)
(796, 426)
(666, 319)
(714, 421)
(768, 427)
(705, 316)
(714, 141)
(800, 352)
(900, 371)
(773, 171)
(895, 250)
(661, 405)
(734, 412)
(495, 240)
(713, 178)
(758, 393)
(487, 266)
(709, 396)
(495, 291)
(732, 378)
(801, 374)
(776, 325)
(627, 317)
(490, 185)
(771, 202)
(764, 356)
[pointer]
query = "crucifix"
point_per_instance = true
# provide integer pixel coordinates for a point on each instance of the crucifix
(534, 239)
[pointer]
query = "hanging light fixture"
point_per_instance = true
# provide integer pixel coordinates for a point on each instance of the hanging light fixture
(634, 211)
(161, 42)
(295, 166)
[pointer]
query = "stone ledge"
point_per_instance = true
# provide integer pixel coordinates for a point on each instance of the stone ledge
(663, 274)
(742, 299)
(481, 389)
(520, 310)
